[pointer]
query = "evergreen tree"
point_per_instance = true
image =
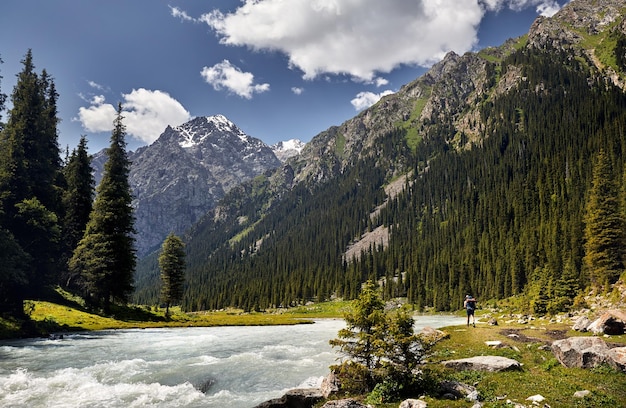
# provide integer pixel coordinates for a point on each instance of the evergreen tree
(105, 256)
(3, 98)
(172, 266)
(365, 328)
(604, 227)
(78, 198)
(30, 174)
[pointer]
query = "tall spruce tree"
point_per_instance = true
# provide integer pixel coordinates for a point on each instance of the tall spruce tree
(30, 174)
(78, 198)
(172, 266)
(13, 259)
(105, 256)
(604, 227)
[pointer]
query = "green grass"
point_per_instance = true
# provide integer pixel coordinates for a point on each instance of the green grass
(541, 372)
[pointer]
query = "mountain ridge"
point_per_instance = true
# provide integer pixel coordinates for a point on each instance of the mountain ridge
(480, 108)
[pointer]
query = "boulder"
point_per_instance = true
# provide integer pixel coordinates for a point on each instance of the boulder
(484, 363)
(581, 352)
(618, 355)
(433, 335)
(297, 398)
(612, 322)
(344, 403)
(413, 403)
(459, 390)
(330, 385)
(581, 324)
(582, 394)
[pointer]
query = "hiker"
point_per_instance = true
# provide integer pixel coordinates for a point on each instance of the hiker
(470, 306)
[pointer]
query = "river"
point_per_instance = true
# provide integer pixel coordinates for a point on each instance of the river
(236, 367)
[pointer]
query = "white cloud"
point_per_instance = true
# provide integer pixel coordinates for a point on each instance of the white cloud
(225, 75)
(146, 114)
(380, 82)
(364, 100)
(545, 8)
(178, 13)
(359, 37)
(296, 90)
(97, 86)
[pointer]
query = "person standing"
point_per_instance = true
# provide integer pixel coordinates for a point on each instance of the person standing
(470, 305)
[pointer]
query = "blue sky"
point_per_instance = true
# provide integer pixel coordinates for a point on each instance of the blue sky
(279, 69)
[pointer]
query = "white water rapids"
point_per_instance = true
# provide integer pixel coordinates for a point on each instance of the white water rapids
(236, 367)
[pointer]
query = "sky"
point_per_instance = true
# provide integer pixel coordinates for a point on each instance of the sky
(278, 69)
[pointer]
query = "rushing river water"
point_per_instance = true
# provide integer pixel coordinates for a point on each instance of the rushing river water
(183, 367)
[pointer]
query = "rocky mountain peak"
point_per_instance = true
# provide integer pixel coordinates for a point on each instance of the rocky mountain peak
(287, 149)
(197, 130)
(186, 171)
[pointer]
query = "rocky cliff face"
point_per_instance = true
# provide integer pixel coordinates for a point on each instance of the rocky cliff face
(186, 171)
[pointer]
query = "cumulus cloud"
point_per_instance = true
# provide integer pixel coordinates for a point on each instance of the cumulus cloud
(296, 90)
(358, 37)
(146, 114)
(364, 100)
(225, 75)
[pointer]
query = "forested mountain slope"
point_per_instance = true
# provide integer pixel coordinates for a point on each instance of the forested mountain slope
(498, 149)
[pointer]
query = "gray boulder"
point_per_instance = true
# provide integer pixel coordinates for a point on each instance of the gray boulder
(581, 324)
(484, 363)
(344, 403)
(612, 322)
(297, 398)
(581, 352)
(413, 403)
(618, 356)
(330, 385)
(459, 390)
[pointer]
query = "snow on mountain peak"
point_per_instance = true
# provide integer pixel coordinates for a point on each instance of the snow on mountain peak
(288, 148)
(196, 130)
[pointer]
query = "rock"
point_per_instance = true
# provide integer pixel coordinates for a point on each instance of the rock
(330, 385)
(297, 398)
(457, 389)
(473, 396)
(493, 343)
(536, 398)
(344, 403)
(433, 335)
(484, 363)
(492, 322)
(581, 394)
(612, 322)
(618, 356)
(413, 403)
(581, 352)
(581, 324)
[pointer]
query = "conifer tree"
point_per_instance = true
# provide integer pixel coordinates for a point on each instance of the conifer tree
(105, 256)
(30, 173)
(364, 323)
(78, 197)
(172, 266)
(604, 227)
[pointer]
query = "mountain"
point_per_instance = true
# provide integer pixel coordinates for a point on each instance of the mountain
(473, 178)
(184, 173)
(287, 149)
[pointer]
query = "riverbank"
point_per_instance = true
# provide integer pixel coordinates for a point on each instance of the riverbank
(538, 379)
(67, 313)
